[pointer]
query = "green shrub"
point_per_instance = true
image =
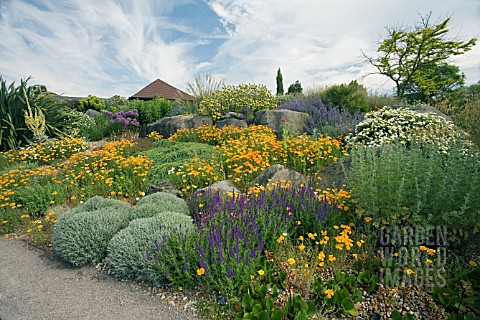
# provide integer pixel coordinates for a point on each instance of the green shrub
(91, 102)
(157, 202)
(152, 110)
(39, 196)
(402, 125)
(127, 251)
(72, 123)
(416, 184)
(464, 106)
(83, 237)
(97, 128)
(237, 98)
(167, 155)
(351, 97)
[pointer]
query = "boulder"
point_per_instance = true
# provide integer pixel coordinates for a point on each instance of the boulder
(223, 187)
(169, 125)
(163, 186)
(334, 175)
(92, 113)
(425, 108)
(231, 122)
(279, 174)
(295, 122)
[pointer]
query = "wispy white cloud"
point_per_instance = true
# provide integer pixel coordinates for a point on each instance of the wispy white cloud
(97, 47)
(81, 47)
(320, 42)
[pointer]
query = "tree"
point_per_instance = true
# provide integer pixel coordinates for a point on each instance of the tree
(280, 90)
(409, 55)
(434, 80)
(295, 88)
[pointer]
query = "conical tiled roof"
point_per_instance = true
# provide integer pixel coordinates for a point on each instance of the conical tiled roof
(162, 89)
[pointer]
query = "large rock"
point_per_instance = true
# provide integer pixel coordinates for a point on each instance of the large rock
(231, 122)
(92, 113)
(295, 122)
(224, 186)
(425, 108)
(169, 125)
(163, 186)
(279, 174)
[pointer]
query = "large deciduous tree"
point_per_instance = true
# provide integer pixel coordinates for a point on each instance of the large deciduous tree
(413, 57)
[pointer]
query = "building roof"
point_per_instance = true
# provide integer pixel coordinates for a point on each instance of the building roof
(162, 89)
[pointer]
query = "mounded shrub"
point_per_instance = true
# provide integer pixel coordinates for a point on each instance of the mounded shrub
(93, 204)
(81, 237)
(237, 98)
(127, 251)
(403, 125)
(351, 97)
(97, 203)
(152, 110)
(167, 155)
(159, 202)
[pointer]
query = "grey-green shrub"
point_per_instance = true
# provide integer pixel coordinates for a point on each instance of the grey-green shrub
(97, 203)
(158, 202)
(417, 184)
(127, 249)
(81, 235)
(93, 204)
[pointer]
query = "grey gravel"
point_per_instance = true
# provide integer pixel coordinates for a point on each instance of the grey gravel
(33, 285)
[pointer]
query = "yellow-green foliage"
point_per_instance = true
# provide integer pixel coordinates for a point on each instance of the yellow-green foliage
(236, 98)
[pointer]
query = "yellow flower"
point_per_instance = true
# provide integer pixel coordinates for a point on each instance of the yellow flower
(396, 254)
(331, 257)
(359, 243)
(321, 256)
(291, 261)
(312, 235)
(423, 248)
(339, 246)
(472, 263)
(40, 227)
(29, 230)
(429, 261)
(329, 293)
(431, 251)
(409, 271)
(368, 219)
(301, 238)
(336, 227)
(252, 276)
(280, 239)
(73, 198)
(355, 255)
(301, 247)
(201, 271)
(261, 272)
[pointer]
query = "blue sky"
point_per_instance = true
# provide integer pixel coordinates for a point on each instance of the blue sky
(108, 47)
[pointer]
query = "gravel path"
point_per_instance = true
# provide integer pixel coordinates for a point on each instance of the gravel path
(33, 285)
